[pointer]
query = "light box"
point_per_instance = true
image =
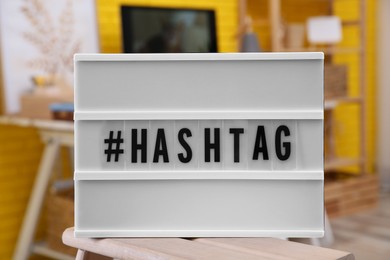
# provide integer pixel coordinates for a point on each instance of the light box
(199, 145)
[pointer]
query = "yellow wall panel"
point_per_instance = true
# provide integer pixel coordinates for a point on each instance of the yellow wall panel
(351, 36)
(20, 152)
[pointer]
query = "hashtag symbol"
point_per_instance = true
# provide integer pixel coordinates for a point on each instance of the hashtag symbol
(117, 144)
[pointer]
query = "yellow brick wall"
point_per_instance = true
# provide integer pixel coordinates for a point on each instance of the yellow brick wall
(109, 21)
(20, 152)
(346, 116)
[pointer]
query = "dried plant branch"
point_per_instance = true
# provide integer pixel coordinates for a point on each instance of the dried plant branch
(40, 43)
(67, 59)
(66, 21)
(44, 64)
(56, 44)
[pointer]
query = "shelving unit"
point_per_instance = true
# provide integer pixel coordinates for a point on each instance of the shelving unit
(275, 23)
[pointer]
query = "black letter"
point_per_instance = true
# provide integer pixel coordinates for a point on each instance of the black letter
(236, 139)
(286, 145)
(160, 138)
(260, 138)
(142, 146)
(187, 132)
(208, 145)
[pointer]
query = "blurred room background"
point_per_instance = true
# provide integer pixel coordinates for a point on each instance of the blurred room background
(39, 37)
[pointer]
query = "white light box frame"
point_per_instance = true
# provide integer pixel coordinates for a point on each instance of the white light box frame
(199, 145)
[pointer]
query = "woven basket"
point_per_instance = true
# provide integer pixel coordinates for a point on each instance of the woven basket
(335, 81)
(60, 215)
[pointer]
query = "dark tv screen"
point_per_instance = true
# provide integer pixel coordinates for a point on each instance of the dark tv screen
(167, 30)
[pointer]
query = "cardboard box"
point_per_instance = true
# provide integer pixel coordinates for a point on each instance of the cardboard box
(38, 105)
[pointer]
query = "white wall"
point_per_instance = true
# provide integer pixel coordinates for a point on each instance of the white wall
(18, 52)
(383, 96)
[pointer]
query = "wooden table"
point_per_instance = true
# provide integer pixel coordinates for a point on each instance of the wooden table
(198, 248)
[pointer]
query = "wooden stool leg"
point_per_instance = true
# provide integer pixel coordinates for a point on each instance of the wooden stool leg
(85, 255)
(80, 254)
(30, 220)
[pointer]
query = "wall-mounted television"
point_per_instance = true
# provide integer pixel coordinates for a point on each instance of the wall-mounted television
(168, 30)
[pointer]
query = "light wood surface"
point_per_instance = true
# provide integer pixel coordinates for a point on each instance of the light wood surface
(275, 17)
(42, 124)
(200, 248)
(363, 89)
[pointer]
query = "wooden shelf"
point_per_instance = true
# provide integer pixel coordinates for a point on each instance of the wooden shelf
(334, 102)
(337, 163)
(261, 22)
(351, 22)
(327, 50)
(277, 22)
